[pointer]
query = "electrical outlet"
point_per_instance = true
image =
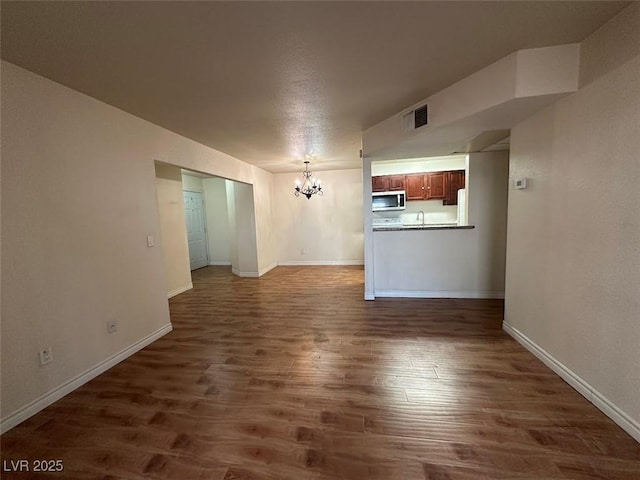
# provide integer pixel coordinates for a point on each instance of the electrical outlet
(46, 356)
(112, 326)
(150, 241)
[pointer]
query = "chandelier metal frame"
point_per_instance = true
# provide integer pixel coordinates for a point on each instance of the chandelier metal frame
(310, 186)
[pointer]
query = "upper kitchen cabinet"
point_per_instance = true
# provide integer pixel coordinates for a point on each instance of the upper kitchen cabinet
(415, 186)
(454, 181)
(435, 185)
(380, 184)
(425, 186)
(387, 183)
(396, 182)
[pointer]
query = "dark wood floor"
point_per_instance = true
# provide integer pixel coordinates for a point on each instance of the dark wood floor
(294, 376)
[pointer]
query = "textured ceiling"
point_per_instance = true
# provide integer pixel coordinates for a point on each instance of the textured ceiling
(269, 82)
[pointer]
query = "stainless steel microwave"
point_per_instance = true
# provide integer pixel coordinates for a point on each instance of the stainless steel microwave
(384, 201)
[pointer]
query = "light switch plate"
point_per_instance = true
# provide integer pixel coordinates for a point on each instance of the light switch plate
(112, 326)
(46, 355)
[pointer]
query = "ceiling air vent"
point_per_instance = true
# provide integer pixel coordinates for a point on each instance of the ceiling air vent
(415, 119)
(420, 116)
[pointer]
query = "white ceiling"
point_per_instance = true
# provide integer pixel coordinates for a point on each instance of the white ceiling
(269, 82)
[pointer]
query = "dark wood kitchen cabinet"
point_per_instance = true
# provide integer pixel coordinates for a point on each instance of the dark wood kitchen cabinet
(396, 182)
(454, 181)
(415, 186)
(435, 185)
(387, 183)
(425, 186)
(380, 183)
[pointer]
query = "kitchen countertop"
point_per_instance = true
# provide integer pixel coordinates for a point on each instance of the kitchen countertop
(433, 226)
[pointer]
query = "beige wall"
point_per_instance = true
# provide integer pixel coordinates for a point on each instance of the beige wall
(321, 230)
(573, 249)
(173, 232)
(79, 199)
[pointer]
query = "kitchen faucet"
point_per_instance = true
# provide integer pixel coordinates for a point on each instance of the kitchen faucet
(418, 216)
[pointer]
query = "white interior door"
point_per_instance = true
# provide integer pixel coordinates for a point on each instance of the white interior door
(196, 232)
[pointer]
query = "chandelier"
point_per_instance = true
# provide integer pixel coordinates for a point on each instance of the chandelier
(310, 186)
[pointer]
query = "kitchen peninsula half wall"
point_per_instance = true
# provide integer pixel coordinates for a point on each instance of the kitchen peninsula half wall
(447, 257)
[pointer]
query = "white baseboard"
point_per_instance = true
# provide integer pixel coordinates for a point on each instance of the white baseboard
(295, 263)
(435, 294)
(257, 274)
(302, 263)
(625, 422)
(220, 263)
(57, 393)
(237, 272)
(180, 290)
(267, 269)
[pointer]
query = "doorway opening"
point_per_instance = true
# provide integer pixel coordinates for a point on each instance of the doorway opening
(205, 220)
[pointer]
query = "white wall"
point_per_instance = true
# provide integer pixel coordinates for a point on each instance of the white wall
(265, 220)
(434, 212)
(323, 230)
(487, 196)
(573, 256)
(489, 87)
(418, 165)
(231, 215)
(493, 98)
(451, 263)
(79, 199)
(218, 231)
(191, 183)
(173, 233)
(245, 220)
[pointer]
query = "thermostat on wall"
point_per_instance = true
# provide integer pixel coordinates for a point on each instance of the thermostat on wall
(521, 183)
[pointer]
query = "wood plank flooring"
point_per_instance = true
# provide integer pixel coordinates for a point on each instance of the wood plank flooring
(294, 376)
